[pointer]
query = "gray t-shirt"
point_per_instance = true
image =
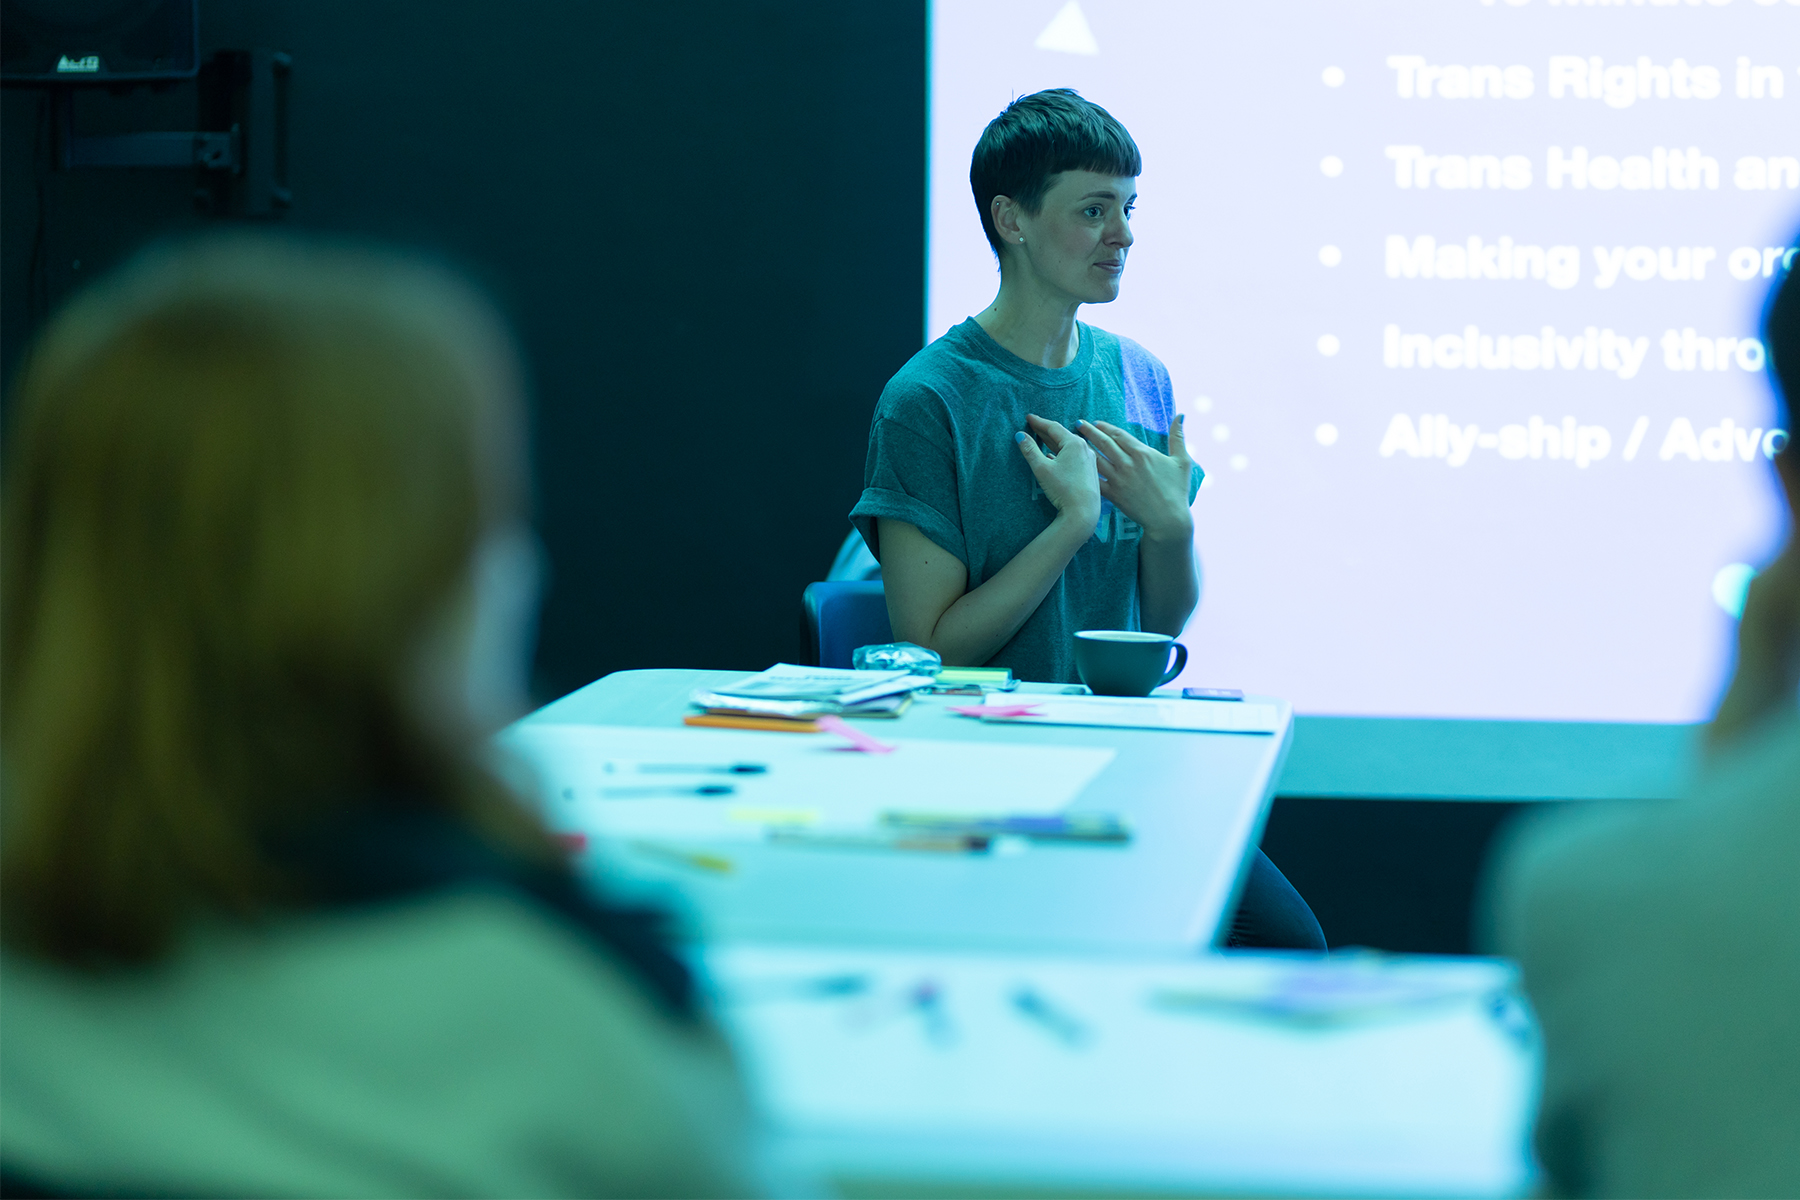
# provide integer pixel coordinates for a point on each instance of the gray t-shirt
(942, 457)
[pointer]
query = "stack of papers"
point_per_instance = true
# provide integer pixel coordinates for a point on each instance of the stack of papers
(785, 690)
(1122, 712)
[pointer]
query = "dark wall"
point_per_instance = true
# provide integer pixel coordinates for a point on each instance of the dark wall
(705, 218)
(1398, 875)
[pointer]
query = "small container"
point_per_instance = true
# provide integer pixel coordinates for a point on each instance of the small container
(897, 656)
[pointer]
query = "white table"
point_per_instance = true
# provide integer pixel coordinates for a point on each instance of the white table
(881, 1096)
(1195, 802)
(1122, 1092)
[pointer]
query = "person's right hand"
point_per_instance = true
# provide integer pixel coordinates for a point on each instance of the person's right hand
(1768, 651)
(1072, 478)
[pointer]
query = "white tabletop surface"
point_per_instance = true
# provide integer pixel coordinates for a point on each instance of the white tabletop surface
(1139, 1080)
(1195, 802)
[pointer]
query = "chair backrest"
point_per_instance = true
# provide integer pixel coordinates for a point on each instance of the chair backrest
(842, 615)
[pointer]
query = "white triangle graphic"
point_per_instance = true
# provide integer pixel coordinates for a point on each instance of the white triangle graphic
(1068, 32)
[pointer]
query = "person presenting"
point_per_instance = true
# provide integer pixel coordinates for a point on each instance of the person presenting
(1027, 474)
(1660, 942)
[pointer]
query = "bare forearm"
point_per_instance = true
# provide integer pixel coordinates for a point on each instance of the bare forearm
(1168, 585)
(973, 629)
(928, 597)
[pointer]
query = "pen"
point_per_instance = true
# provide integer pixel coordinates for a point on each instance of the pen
(927, 999)
(700, 768)
(1033, 1005)
(836, 985)
(704, 789)
(1068, 827)
(688, 858)
(923, 842)
(823, 987)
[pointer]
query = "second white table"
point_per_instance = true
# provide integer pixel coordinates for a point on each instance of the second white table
(1195, 803)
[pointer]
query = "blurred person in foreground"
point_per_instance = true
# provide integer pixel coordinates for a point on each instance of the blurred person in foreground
(1661, 942)
(270, 926)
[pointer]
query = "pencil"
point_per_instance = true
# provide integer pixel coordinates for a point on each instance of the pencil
(767, 724)
(714, 863)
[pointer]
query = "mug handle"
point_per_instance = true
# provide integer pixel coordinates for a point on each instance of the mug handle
(1180, 662)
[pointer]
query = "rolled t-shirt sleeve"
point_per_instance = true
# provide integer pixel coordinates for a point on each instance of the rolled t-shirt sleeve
(911, 476)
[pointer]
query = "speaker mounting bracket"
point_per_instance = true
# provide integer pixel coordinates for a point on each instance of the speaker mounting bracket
(220, 151)
(242, 159)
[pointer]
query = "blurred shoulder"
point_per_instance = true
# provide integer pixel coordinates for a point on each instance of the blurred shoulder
(1659, 948)
(470, 1031)
(1607, 862)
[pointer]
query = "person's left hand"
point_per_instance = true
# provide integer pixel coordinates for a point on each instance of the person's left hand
(1145, 484)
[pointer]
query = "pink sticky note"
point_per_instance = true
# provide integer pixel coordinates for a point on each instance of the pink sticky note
(997, 710)
(857, 738)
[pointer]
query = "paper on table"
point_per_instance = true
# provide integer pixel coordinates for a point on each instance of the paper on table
(785, 681)
(1044, 1067)
(1130, 712)
(808, 781)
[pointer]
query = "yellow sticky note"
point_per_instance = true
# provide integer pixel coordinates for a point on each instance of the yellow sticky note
(992, 676)
(761, 815)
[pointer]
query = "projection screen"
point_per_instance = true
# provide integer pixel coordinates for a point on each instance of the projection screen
(1460, 299)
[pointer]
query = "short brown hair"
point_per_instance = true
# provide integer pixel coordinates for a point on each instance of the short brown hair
(244, 475)
(1037, 138)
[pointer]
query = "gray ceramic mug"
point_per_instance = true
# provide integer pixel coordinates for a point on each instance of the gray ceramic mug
(1124, 662)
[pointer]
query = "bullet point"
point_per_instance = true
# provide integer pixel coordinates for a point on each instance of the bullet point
(1328, 344)
(1331, 256)
(1332, 165)
(1326, 434)
(1239, 462)
(1333, 76)
(1221, 432)
(1203, 404)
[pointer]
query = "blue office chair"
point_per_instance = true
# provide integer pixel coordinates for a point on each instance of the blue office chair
(842, 615)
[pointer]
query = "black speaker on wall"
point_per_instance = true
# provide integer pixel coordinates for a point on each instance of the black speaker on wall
(98, 41)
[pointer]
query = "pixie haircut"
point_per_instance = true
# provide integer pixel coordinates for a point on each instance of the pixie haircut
(1037, 138)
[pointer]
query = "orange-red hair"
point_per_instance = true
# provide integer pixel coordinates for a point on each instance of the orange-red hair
(245, 474)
